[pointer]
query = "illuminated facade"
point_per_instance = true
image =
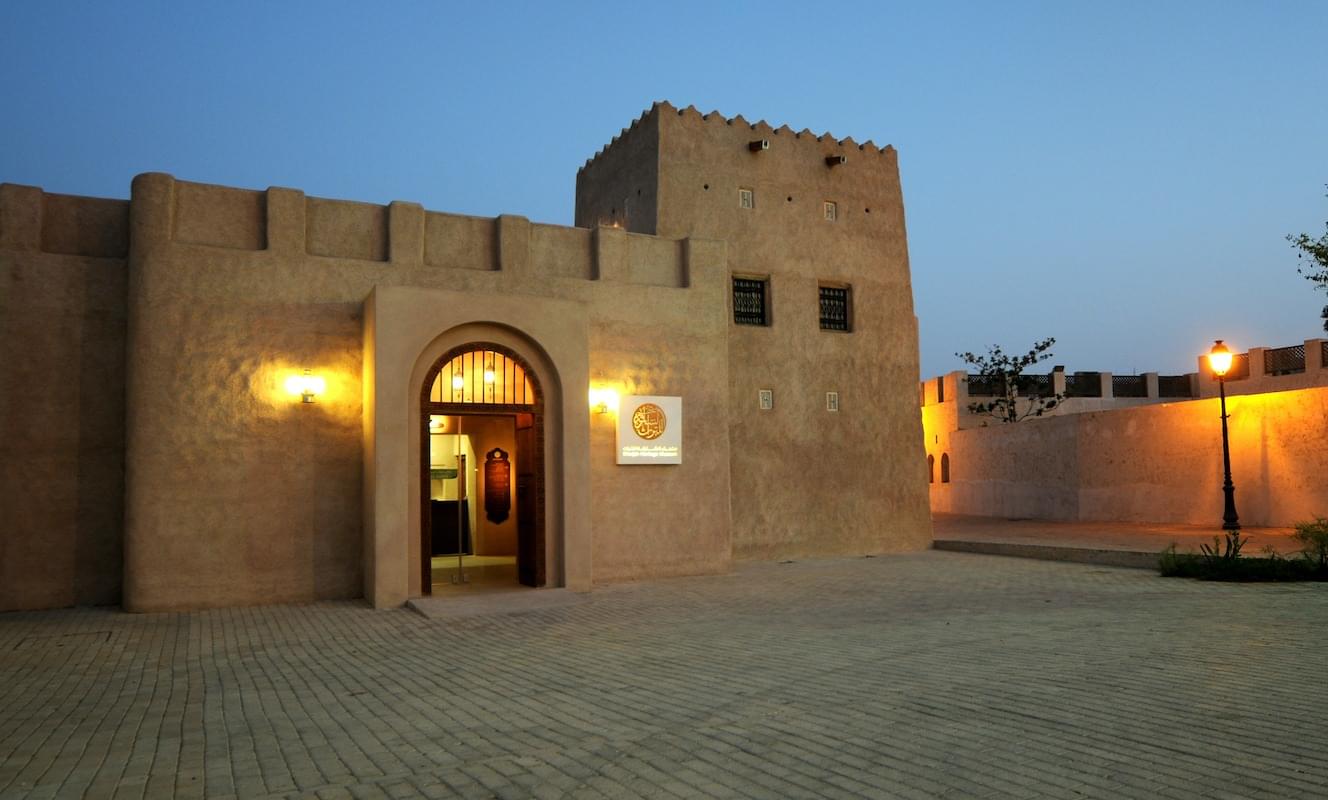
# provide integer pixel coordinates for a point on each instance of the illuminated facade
(218, 396)
(1138, 448)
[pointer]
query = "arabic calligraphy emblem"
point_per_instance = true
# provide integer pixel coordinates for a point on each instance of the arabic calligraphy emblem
(648, 421)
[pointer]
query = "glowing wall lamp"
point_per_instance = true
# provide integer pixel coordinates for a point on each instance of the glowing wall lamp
(602, 401)
(1219, 361)
(308, 386)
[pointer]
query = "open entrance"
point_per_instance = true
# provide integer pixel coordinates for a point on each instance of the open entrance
(482, 472)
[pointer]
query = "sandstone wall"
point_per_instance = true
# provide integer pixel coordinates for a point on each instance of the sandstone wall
(62, 338)
(236, 494)
(1160, 463)
(805, 481)
(620, 185)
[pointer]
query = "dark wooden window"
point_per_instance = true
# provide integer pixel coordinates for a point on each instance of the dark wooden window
(945, 467)
(931, 468)
(835, 311)
(749, 301)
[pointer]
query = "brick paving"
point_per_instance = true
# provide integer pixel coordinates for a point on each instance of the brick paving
(918, 676)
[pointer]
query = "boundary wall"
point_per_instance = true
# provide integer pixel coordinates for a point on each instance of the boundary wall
(151, 456)
(1156, 463)
(62, 344)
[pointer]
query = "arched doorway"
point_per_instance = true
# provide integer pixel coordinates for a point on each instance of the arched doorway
(482, 510)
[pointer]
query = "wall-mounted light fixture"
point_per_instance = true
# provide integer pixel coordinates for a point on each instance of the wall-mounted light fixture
(758, 145)
(602, 401)
(836, 161)
(308, 386)
(489, 376)
(458, 382)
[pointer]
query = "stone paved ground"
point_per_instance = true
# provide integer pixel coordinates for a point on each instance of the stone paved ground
(1148, 537)
(929, 675)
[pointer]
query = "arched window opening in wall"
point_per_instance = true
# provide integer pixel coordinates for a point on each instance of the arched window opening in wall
(931, 468)
(482, 376)
(945, 467)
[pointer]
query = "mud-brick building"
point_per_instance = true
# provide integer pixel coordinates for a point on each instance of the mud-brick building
(216, 396)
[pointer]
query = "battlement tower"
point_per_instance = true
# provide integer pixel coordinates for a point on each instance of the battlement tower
(823, 347)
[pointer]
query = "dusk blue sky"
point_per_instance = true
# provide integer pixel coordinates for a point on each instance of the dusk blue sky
(1118, 175)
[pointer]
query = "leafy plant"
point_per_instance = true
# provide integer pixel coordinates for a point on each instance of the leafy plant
(1169, 563)
(1227, 551)
(1312, 254)
(1313, 539)
(1001, 372)
(1222, 560)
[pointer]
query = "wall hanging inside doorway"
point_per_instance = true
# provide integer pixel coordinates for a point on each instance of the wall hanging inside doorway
(497, 485)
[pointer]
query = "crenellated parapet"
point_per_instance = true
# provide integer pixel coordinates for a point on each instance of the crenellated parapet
(759, 129)
(35, 221)
(284, 223)
(678, 172)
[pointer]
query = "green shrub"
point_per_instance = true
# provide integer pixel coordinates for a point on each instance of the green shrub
(1313, 539)
(1222, 561)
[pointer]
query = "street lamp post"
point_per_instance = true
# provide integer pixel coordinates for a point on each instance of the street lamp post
(1219, 360)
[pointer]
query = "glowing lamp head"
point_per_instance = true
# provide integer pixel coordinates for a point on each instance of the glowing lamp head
(489, 376)
(1219, 359)
(307, 385)
(458, 383)
(602, 401)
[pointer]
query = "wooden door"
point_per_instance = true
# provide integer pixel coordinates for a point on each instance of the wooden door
(527, 556)
(426, 510)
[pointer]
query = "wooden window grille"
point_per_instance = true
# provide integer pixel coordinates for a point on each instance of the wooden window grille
(1284, 360)
(1174, 386)
(1034, 385)
(835, 308)
(1240, 368)
(982, 386)
(749, 301)
(1129, 386)
(831, 211)
(746, 198)
(1083, 384)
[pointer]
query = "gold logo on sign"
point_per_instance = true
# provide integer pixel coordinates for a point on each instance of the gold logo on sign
(648, 421)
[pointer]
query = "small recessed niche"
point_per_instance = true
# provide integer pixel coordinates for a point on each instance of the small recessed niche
(866, 210)
(790, 198)
(706, 187)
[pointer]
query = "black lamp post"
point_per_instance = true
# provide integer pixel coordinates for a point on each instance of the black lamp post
(1219, 360)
